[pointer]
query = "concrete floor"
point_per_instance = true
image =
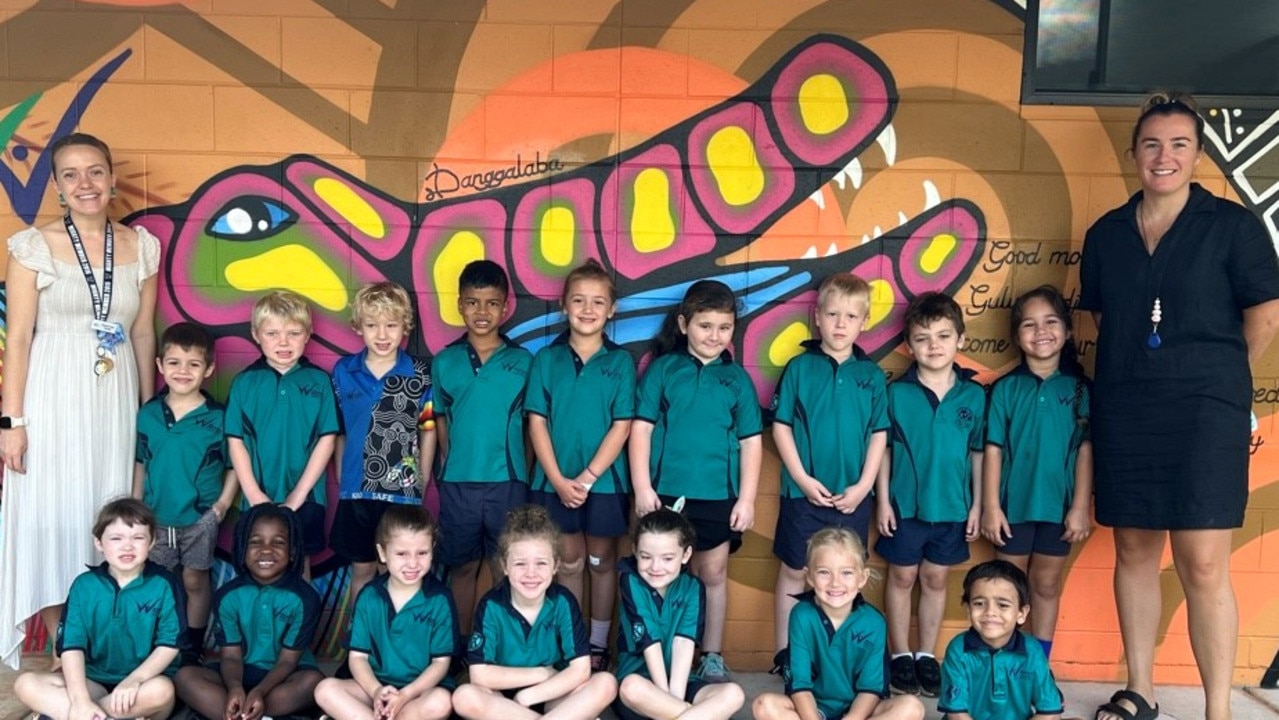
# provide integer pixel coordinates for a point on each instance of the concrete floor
(1179, 703)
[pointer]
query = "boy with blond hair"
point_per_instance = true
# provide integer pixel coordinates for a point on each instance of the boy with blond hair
(387, 444)
(830, 424)
(282, 419)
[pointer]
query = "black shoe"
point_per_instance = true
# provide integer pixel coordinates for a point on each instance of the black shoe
(903, 680)
(928, 672)
(781, 664)
(599, 659)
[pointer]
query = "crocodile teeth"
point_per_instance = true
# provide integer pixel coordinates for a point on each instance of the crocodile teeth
(888, 141)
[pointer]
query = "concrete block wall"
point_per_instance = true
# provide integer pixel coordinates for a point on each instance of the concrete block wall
(410, 108)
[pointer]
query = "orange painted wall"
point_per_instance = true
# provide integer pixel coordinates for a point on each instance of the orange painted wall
(410, 98)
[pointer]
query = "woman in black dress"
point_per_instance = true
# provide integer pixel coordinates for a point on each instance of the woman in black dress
(1183, 286)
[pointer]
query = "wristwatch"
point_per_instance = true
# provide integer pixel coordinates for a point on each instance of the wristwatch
(8, 423)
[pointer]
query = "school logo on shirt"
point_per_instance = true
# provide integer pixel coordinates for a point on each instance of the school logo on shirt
(422, 616)
(637, 631)
(513, 367)
(964, 418)
(476, 643)
(208, 423)
(149, 608)
(861, 637)
(311, 391)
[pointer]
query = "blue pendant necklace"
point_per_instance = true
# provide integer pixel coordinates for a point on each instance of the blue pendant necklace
(1153, 341)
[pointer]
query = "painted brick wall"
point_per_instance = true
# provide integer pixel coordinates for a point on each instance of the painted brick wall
(413, 108)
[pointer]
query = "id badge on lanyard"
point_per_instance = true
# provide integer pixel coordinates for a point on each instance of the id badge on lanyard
(110, 334)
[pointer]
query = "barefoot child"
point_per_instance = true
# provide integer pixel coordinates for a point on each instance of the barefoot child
(529, 655)
(662, 613)
(403, 632)
(264, 621)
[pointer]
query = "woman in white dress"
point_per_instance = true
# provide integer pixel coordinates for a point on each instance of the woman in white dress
(81, 324)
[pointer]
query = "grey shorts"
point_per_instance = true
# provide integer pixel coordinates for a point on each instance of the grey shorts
(191, 546)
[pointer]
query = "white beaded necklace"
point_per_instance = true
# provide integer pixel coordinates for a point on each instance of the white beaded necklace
(1153, 341)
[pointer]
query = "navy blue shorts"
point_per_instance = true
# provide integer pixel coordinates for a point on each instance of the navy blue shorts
(354, 534)
(253, 675)
(311, 518)
(694, 686)
(709, 519)
(471, 518)
(798, 519)
(602, 515)
(1040, 538)
(940, 543)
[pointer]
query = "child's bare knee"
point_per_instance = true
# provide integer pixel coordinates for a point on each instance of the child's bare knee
(572, 568)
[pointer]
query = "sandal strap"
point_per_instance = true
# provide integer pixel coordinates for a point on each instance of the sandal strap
(1145, 711)
(1116, 710)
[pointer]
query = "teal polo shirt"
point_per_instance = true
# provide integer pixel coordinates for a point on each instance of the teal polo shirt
(1011, 683)
(184, 460)
(280, 418)
(700, 414)
(382, 420)
(265, 619)
(832, 408)
(932, 442)
(482, 404)
(117, 627)
(401, 644)
(646, 617)
(503, 637)
(835, 664)
(1039, 424)
(581, 399)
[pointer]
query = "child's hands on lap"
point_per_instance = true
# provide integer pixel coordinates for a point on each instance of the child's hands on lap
(84, 711)
(254, 706)
(387, 703)
(122, 698)
(234, 704)
(816, 493)
(743, 516)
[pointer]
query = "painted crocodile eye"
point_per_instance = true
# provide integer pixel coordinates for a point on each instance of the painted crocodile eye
(250, 218)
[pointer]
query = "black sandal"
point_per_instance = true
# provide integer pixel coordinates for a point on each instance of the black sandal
(1143, 709)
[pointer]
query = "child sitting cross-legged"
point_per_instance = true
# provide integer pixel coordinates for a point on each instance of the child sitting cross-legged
(264, 621)
(120, 632)
(403, 632)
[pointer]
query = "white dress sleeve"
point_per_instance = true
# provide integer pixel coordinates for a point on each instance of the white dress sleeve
(148, 253)
(31, 251)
